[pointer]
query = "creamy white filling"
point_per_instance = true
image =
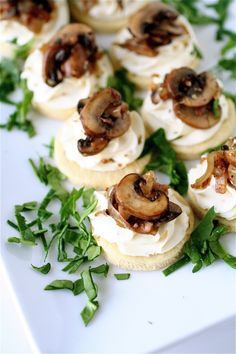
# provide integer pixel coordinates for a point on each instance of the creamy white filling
(67, 93)
(135, 244)
(10, 29)
(224, 204)
(174, 55)
(110, 9)
(117, 154)
(162, 115)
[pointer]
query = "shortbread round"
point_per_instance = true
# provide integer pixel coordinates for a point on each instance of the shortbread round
(89, 178)
(158, 261)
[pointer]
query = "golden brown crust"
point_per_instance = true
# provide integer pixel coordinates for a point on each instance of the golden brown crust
(227, 128)
(99, 25)
(200, 212)
(114, 256)
(96, 179)
(54, 113)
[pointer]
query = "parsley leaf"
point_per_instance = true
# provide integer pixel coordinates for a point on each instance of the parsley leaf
(164, 160)
(122, 276)
(121, 83)
(203, 247)
(45, 269)
(229, 64)
(89, 311)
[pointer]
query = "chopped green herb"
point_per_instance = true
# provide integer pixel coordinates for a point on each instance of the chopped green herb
(89, 286)
(78, 287)
(9, 79)
(229, 64)
(89, 311)
(204, 247)
(45, 269)
(122, 276)
(60, 285)
(14, 240)
(164, 159)
(215, 148)
(50, 147)
(102, 269)
(121, 83)
(197, 52)
(22, 51)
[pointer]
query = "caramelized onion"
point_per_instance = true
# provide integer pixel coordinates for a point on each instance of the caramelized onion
(205, 179)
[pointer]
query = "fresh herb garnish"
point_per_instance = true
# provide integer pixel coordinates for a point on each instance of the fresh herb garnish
(229, 64)
(122, 276)
(121, 83)
(45, 269)
(60, 285)
(10, 70)
(164, 159)
(216, 108)
(50, 148)
(89, 311)
(204, 247)
(215, 148)
(197, 52)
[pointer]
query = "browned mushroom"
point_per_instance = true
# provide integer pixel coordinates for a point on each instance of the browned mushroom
(141, 204)
(219, 165)
(30, 13)
(152, 26)
(129, 195)
(105, 114)
(92, 146)
(149, 17)
(197, 117)
(104, 117)
(70, 53)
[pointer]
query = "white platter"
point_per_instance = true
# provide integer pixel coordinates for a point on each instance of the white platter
(143, 314)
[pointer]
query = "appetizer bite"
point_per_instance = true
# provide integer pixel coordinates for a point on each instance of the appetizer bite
(156, 40)
(101, 142)
(105, 15)
(213, 183)
(192, 109)
(66, 69)
(29, 21)
(141, 224)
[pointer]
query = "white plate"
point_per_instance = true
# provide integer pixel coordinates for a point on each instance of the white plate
(142, 314)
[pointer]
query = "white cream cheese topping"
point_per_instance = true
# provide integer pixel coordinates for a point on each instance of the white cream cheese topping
(110, 9)
(11, 29)
(174, 55)
(162, 115)
(224, 204)
(67, 93)
(134, 244)
(117, 154)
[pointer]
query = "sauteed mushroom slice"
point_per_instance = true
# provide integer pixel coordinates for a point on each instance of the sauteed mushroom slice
(31, 13)
(130, 196)
(70, 53)
(91, 146)
(149, 17)
(197, 117)
(232, 175)
(104, 114)
(204, 180)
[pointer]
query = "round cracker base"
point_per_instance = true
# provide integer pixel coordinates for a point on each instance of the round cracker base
(194, 151)
(54, 113)
(200, 213)
(159, 261)
(96, 179)
(99, 25)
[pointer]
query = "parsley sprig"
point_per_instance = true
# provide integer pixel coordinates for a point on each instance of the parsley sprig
(204, 246)
(164, 159)
(10, 80)
(68, 231)
(120, 82)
